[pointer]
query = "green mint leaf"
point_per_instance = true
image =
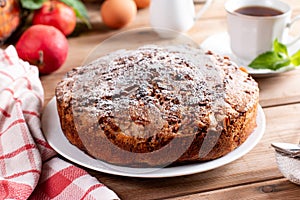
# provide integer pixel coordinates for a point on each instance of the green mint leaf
(32, 4)
(269, 60)
(279, 47)
(79, 9)
(281, 63)
(295, 58)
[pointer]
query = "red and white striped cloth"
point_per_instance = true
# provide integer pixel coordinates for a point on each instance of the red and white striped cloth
(28, 166)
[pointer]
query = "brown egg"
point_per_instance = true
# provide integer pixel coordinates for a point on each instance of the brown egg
(118, 13)
(142, 3)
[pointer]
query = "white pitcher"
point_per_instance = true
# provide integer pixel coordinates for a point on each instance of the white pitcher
(176, 15)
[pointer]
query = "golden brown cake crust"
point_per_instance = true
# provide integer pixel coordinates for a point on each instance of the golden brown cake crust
(156, 106)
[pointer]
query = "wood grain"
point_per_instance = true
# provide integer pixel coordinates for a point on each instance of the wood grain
(255, 175)
(274, 189)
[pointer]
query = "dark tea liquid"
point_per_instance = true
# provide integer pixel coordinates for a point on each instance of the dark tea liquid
(258, 11)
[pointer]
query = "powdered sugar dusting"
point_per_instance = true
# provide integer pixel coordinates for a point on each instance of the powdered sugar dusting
(154, 88)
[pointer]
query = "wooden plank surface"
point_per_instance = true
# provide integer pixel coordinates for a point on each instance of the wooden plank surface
(274, 189)
(281, 89)
(251, 176)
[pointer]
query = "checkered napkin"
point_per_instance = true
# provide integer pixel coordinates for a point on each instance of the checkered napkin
(28, 166)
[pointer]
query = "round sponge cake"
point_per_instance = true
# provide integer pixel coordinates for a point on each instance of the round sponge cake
(157, 105)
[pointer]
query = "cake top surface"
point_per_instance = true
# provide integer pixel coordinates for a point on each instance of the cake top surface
(178, 88)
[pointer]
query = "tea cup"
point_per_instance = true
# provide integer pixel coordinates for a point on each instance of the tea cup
(253, 25)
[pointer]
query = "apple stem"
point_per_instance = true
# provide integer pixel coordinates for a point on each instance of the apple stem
(51, 5)
(41, 57)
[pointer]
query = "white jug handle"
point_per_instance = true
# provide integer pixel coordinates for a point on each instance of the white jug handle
(289, 25)
(203, 9)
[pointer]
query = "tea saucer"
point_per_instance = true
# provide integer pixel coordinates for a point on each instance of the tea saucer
(219, 43)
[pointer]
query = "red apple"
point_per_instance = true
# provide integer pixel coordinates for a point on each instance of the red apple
(57, 14)
(44, 46)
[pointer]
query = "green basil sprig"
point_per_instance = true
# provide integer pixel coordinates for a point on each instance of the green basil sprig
(77, 5)
(276, 59)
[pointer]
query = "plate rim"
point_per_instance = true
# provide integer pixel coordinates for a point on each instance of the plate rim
(51, 111)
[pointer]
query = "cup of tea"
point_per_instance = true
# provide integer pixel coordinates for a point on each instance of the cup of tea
(253, 25)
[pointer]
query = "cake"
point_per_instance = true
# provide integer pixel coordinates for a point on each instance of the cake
(157, 106)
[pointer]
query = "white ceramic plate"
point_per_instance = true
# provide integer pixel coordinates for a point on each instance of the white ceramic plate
(57, 140)
(219, 43)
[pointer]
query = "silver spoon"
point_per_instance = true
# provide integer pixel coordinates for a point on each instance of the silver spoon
(292, 150)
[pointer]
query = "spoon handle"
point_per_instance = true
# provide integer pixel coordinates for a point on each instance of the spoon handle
(293, 150)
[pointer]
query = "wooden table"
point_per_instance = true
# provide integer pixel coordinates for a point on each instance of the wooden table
(255, 175)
